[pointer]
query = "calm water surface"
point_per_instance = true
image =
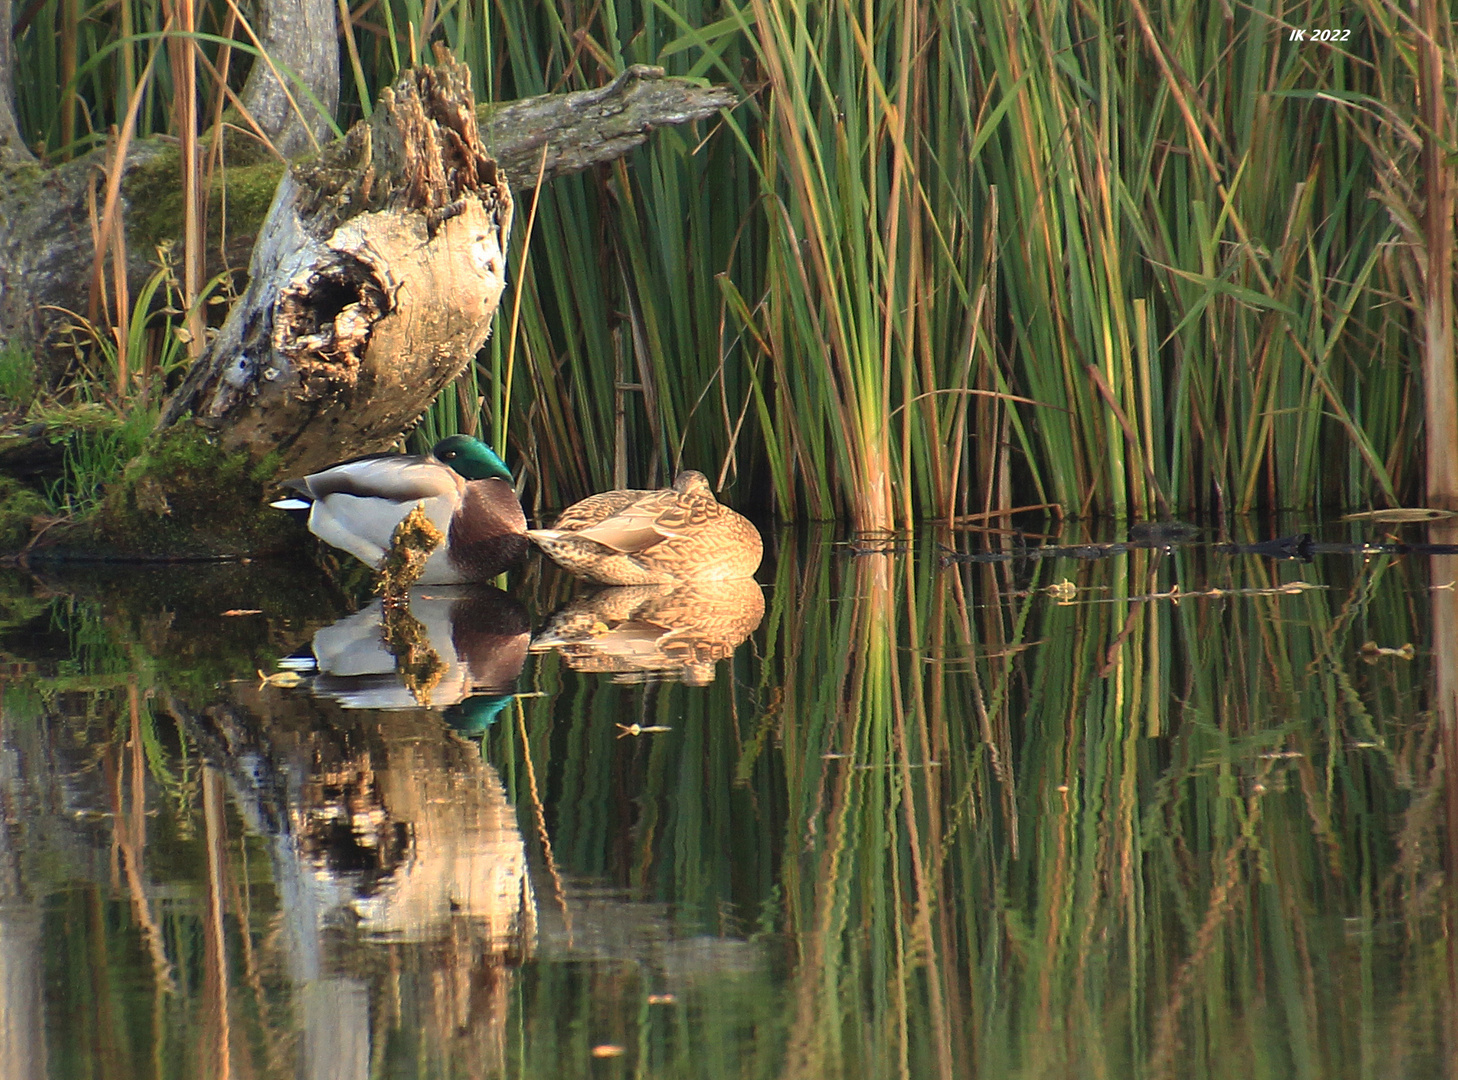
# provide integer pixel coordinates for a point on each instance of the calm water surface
(1169, 812)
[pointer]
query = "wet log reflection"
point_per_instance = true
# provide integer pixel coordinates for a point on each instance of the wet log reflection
(393, 850)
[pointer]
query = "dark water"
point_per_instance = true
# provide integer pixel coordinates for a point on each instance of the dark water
(1168, 813)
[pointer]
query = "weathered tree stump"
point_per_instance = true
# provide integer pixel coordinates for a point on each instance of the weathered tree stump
(372, 284)
(46, 244)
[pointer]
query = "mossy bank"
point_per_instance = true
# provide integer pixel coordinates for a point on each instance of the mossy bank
(184, 497)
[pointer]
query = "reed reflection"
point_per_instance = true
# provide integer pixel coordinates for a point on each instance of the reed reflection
(863, 888)
(1443, 585)
(1158, 814)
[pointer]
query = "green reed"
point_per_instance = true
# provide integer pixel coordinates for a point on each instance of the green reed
(941, 259)
(1121, 260)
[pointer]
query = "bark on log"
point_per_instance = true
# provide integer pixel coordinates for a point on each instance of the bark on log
(301, 36)
(46, 250)
(373, 283)
(13, 150)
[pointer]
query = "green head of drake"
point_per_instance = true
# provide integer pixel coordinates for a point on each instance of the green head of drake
(470, 457)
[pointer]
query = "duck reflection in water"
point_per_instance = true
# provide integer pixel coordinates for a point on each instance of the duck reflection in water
(459, 648)
(389, 833)
(666, 631)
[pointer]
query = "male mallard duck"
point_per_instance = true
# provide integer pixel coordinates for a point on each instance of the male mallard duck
(466, 491)
(680, 533)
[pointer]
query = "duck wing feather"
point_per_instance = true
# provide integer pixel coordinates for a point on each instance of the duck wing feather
(653, 518)
(396, 477)
(595, 508)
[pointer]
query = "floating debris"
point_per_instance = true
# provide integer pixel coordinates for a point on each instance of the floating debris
(279, 678)
(1175, 594)
(638, 729)
(1400, 514)
(1064, 590)
(1372, 652)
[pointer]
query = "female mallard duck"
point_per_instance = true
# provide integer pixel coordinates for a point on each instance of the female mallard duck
(466, 491)
(680, 533)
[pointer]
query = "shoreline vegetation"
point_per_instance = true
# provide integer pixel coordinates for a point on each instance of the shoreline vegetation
(941, 261)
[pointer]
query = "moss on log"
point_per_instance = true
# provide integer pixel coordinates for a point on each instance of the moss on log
(186, 497)
(240, 196)
(20, 506)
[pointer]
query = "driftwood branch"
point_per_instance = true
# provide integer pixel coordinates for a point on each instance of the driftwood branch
(590, 127)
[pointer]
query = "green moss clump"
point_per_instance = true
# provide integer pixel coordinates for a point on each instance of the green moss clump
(183, 497)
(411, 545)
(19, 506)
(155, 193)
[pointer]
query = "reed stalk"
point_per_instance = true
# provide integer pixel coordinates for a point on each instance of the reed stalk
(1439, 125)
(183, 57)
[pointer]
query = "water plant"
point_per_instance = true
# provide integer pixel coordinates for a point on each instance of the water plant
(95, 456)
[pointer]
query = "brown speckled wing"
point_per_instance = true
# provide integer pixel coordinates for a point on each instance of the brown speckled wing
(650, 520)
(595, 508)
(640, 537)
(689, 512)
